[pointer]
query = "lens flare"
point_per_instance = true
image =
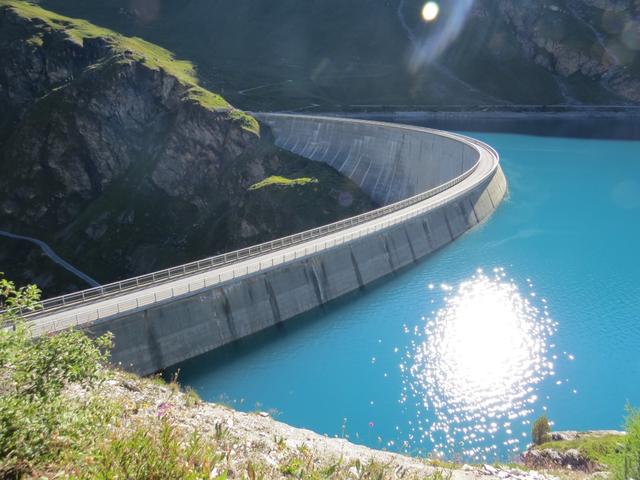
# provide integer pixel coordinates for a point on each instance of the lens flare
(429, 48)
(476, 364)
(430, 11)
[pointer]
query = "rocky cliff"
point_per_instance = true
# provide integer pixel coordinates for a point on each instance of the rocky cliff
(112, 153)
(373, 55)
(590, 42)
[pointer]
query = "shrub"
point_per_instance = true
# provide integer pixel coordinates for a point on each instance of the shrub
(37, 423)
(540, 431)
(628, 464)
(155, 454)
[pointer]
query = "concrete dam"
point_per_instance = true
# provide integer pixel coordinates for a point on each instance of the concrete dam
(432, 185)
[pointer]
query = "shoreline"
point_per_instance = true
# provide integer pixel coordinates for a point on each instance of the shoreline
(534, 113)
(259, 438)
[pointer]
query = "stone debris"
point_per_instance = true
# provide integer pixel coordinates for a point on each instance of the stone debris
(254, 436)
(570, 459)
(567, 435)
(514, 473)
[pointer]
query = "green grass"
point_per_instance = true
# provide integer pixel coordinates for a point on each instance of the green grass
(599, 449)
(151, 55)
(282, 181)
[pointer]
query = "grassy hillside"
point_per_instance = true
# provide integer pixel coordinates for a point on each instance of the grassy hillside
(137, 49)
(336, 55)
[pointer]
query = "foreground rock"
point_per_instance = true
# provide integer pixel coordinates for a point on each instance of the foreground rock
(568, 435)
(549, 458)
(514, 473)
(565, 451)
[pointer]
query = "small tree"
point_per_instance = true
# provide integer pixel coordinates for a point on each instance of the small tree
(628, 464)
(540, 431)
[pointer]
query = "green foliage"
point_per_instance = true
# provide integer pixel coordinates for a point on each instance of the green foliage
(37, 424)
(540, 430)
(13, 299)
(221, 432)
(282, 181)
(37, 432)
(40, 368)
(192, 397)
(597, 448)
(153, 455)
(628, 460)
(292, 467)
(44, 366)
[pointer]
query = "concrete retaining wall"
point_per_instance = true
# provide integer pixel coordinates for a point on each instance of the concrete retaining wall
(390, 164)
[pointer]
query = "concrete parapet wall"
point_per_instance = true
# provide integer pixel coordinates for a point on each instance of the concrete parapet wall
(158, 336)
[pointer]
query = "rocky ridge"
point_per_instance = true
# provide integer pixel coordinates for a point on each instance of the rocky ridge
(113, 153)
(597, 40)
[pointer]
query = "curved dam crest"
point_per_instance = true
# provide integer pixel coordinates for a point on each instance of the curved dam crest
(390, 162)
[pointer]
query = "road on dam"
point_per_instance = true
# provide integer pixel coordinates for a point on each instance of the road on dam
(162, 318)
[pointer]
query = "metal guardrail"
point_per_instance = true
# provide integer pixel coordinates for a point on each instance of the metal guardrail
(92, 295)
(217, 277)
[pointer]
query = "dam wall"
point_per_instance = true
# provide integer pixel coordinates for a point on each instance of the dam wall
(390, 162)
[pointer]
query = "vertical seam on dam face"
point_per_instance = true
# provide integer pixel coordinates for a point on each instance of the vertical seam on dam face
(427, 232)
(385, 243)
(356, 268)
(399, 161)
(273, 300)
(315, 281)
(155, 349)
(413, 253)
(488, 190)
(228, 313)
(446, 220)
(473, 210)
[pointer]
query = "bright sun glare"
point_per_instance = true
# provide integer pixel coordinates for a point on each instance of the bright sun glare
(430, 11)
(478, 361)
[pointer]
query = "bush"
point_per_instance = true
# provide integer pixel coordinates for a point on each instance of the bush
(37, 423)
(157, 454)
(628, 464)
(540, 431)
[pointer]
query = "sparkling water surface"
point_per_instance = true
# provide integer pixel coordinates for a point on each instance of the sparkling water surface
(537, 310)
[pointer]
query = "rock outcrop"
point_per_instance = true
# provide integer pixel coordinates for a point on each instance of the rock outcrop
(549, 458)
(113, 153)
(596, 41)
(568, 435)
(477, 53)
(571, 455)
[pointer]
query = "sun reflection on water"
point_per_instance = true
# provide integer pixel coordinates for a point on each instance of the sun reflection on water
(475, 366)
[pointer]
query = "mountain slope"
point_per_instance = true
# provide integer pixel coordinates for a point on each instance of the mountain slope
(115, 156)
(334, 55)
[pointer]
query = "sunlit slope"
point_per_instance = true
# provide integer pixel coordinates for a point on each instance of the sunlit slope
(292, 54)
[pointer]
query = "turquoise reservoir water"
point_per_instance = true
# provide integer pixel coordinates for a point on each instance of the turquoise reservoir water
(536, 310)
